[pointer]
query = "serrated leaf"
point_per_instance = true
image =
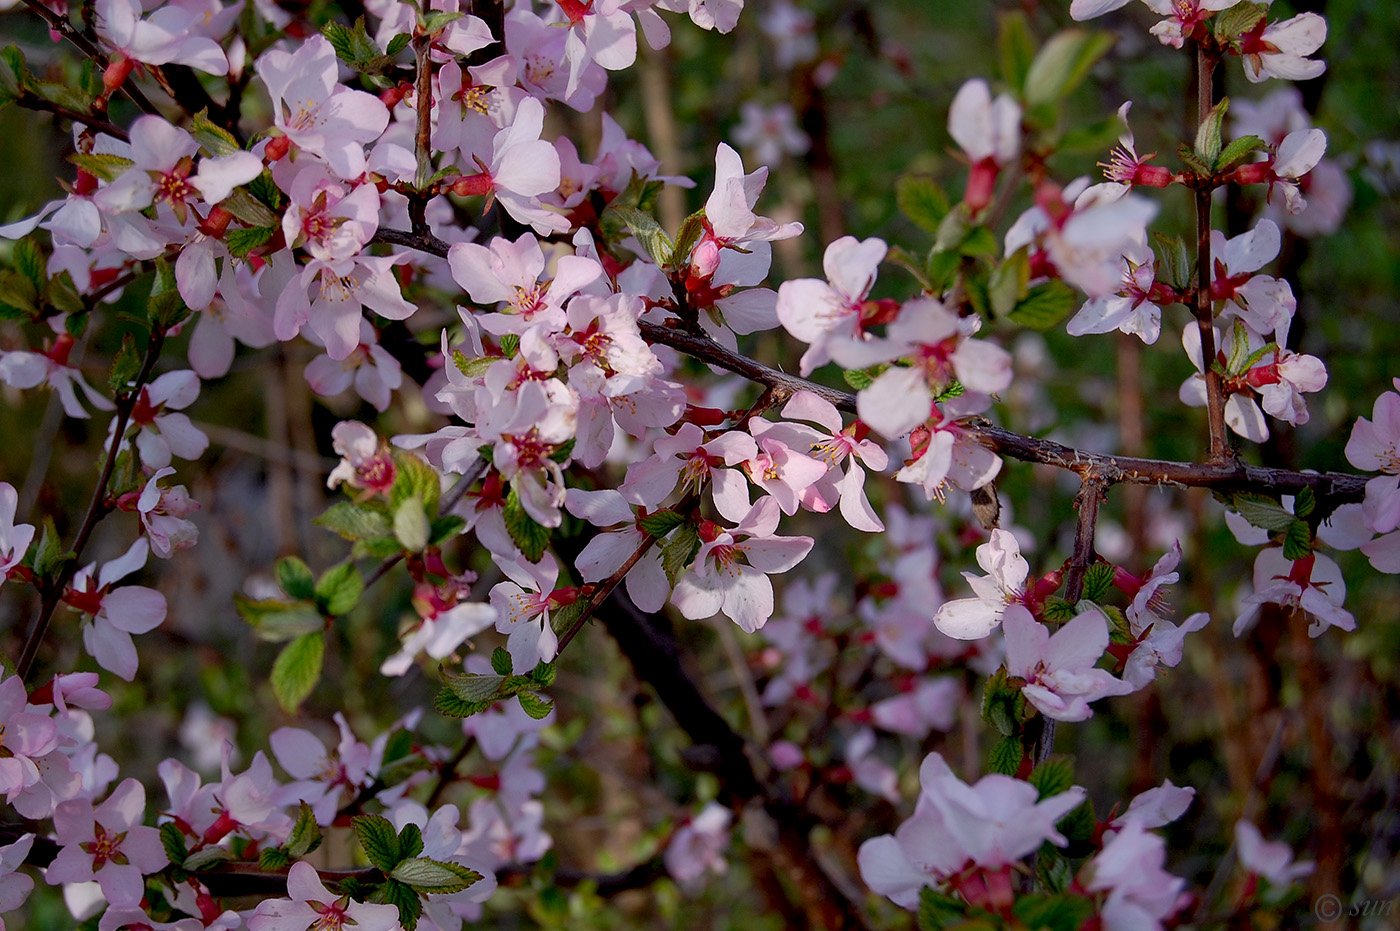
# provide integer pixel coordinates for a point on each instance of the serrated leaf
(1173, 264)
(273, 859)
(247, 209)
(435, 22)
(102, 165)
(402, 897)
(980, 241)
(1193, 161)
(397, 44)
(48, 555)
(661, 523)
(938, 911)
(29, 262)
(341, 39)
(500, 661)
(859, 379)
(411, 525)
(298, 669)
(451, 705)
(428, 876)
(1239, 19)
(1297, 540)
(410, 842)
(678, 551)
(206, 858)
(922, 201)
(64, 96)
(536, 707)
(356, 521)
(126, 365)
(216, 140)
(1006, 755)
(295, 578)
(173, 840)
(62, 295)
(1237, 150)
(1098, 579)
(1079, 825)
(1304, 502)
(524, 531)
(273, 619)
(306, 833)
(166, 307)
(543, 674)
(1045, 305)
(339, 589)
(1052, 777)
(902, 259)
(474, 688)
(1053, 912)
(1208, 139)
(244, 240)
(265, 189)
(1262, 512)
(378, 839)
(692, 229)
(1062, 63)
(648, 232)
(1053, 871)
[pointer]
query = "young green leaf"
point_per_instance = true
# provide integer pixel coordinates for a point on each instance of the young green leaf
(378, 839)
(297, 669)
(427, 876)
(295, 578)
(523, 529)
(1006, 755)
(536, 707)
(339, 589)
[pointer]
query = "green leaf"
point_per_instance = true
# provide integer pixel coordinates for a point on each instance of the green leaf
(265, 189)
(938, 911)
(273, 619)
(1173, 263)
(29, 262)
(1053, 912)
(378, 547)
(1052, 777)
(410, 843)
(244, 240)
(692, 229)
(126, 365)
(435, 22)
(902, 259)
(1057, 610)
(1045, 305)
(411, 525)
(1239, 19)
(1053, 871)
(173, 840)
(101, 164)
(510, 344)
(1097, 582)
(215, 139)
(451, 705)
(1208, 134)
(1006, 287)
(248, 209)
(428, 876)
(295, 578)
(1304, 502)
(11, 77)
(297, 669)
(341, 39)
(414, 478)
(523, 529)
(678, 551)
(543, 674)
(1079, 825)
(1006, 755)
(648, 232)
(954, 228)
(445, 528)
(980, 241)
(378, 839)
(500, 661)
(536, 707)
(356, 521)
(397, 44)
(1237, 150)
(273, 858)
(661, 523)
(473, 687)
(402, 897)
(1015, 47)
(49, 555)
(859, 379)
(306, 833)
(922, 201)
(1063, 63)
(206, 858)
(1193, 161)
(166, 308)
(1261, 511)
(62, 295)
(339, 589)
(1297, 540)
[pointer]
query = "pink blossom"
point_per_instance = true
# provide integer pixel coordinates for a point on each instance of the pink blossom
(1312, 584)
(688, 458)
(366, 462)
(729, 217)
(1140, 892)
(118, 613)
(1157, 807)
(820, 313)
(325, 777)
(311, 905)
(1058, 670)
(1131, 310)
(989, 132)
(1280, 50)
(370, 368)
(108, 844)
(161, 432)
(523, 603)
(14, 885)
(22, 369)
(697, 847)
(1005, 583)
(343, 289)
(14, 538)
(163, 512)
(770, 132)
(1271, 860)
(719, 582)
(169, 35)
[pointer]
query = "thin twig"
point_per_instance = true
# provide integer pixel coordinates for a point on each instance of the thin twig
(63, 27)
(1202, 308)
(97, 508)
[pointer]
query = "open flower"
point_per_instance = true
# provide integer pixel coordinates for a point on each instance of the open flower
(312, 905)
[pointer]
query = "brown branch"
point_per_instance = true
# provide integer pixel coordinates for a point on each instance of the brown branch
(1091, 492)
(63, 27)
(1202, 308)
(423, 108)
(1224, 475)
(34, 102)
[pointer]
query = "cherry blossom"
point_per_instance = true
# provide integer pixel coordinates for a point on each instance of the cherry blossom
(1313, 584)
(167, 36)
(1280, 50)
(697, 847)
(163, 512)
(162, 432)
(1058, 670)
(770, 132)
(14, 538)
(311, 905)
(1005, 583)
(1271, 860)
(23, 369)
(107, 844)
(819, 313)
(117, 613)
(14, 885)
(1140, 892)
(989, 132)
